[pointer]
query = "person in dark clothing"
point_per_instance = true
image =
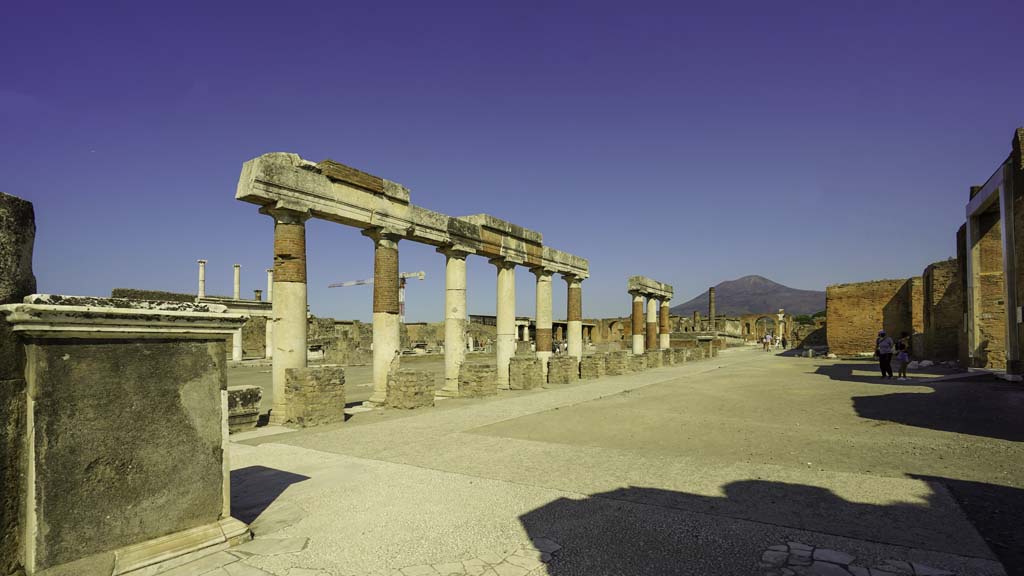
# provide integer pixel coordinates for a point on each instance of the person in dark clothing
(883, 349)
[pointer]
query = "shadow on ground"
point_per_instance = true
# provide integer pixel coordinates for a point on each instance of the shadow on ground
(608, 533)
(255, 488)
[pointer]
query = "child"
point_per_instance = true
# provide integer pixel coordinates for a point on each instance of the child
(902, 358)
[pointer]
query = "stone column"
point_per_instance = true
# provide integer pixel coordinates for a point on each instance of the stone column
(257, 295)
(236, 345)
(386, 330)
(666, 338)
(638, 323)
(269, 332)
(574, 315)
(505, 343)
(289, 304)
(454, 316)
(711, 309)
(237, 295)
(543, 337)
(202, 279)
(652, 324)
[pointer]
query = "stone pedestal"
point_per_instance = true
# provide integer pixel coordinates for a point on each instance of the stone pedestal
(525, 373)
(477, 380)
(654, 358)
(408, 389)
(563, 369)
(638, 363)
(618, 363)
(126, 446)
(315, 396)
(593, 366)
(243, 407)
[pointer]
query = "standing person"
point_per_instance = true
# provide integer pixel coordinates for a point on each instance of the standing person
(883, 349)
(783, 341)
(902, 359)
(764, 342)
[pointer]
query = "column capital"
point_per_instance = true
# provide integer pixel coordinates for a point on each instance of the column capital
(201, 261)
(379, 233)
(503, 263)
(237, 266)
(270, 270)
(459, 251)
(541, 271)
(666, 302)
(287, 213)
(571, 279)
(637, 294)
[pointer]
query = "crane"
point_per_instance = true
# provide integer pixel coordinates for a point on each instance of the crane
(401, 288)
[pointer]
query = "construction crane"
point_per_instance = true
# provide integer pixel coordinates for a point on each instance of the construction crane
(401, 288)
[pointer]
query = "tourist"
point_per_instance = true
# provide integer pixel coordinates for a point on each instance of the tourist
(783, 342)
(883, 350)
(902, 359)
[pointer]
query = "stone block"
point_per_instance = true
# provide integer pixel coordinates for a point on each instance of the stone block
(17, 237)
(409, 389)
(525, 373)
(315, 395)
(593, 366)
(668, 357)
(638, 363)
(618, 363)
(563, 369)
(523, 347)
(243, 407)
(477, 380)
(654, 358)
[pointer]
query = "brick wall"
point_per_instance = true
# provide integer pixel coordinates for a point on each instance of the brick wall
(990, 315)
(856, 312)
(943, 316)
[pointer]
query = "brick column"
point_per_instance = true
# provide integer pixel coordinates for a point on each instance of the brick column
(289, 304)
(711, 310)
(386, 310)
(638, 323)
(454, 316)
(574, 315)
(652, 324)
(665, 332)
(505, 342)
(544, 348)
(202, 279)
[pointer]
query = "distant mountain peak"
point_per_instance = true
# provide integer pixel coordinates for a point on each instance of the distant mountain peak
(754, 294)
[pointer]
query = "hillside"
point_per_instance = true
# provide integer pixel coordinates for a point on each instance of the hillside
(754, 294)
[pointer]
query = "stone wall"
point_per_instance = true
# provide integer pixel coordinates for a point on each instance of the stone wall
(943, 315)
(477, 380)
(243, 407)
(654, 358)
(618, 363)
(990, 320)
(563, 369)
(315, 395)
(856, 312)
(17, 236)
(593, 366)
(408, 389)
(962, 343)
(637, 363)
(525, 373)
(254, 337)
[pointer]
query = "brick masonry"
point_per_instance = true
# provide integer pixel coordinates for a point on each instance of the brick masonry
(385, 278)
(315, 395)
(856, 312)
(563, 369)
(289, 252)
(243, 407)
(618, 363)
(525, 373)
(409, 389)
(477, 380)
(943, 315)
(593, 366)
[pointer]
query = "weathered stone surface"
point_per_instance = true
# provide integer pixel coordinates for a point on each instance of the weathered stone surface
(315, 395)
(833, 556)
(856, 312)
(409, 389)
(17, 236)
(477, 380)
(638, 363)
(593, 366)
(618, 363)
(654, 358)
(125, 442)
(525, 373)
(563, 369)
(243, 407)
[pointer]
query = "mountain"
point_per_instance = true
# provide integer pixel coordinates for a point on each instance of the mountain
(754, 295)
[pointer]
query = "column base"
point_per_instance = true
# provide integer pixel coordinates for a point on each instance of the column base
(174, 548)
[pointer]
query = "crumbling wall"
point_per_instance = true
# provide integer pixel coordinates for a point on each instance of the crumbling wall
(962, 342)
(254, 337)
(943, 316)
(138, 294)
(17, 236)
(856, 312)
(990, 320)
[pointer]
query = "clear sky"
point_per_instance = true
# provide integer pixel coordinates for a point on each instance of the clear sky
(693, 142)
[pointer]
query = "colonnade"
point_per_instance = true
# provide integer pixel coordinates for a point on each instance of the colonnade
(658, 297)
(292, 190)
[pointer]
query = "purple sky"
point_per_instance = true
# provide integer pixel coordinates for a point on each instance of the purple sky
(810, 142)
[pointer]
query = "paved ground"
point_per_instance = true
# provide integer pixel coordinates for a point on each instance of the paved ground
(749, 463)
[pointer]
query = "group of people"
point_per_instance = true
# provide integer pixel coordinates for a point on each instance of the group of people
(769, 341)
(886, 348)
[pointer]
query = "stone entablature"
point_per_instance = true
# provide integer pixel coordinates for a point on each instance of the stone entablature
(649, 287)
